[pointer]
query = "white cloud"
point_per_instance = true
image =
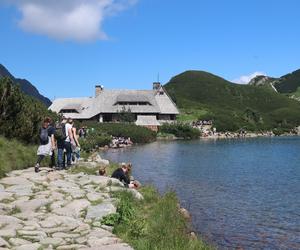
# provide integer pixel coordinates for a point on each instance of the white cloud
(247, 78)
(79, 20)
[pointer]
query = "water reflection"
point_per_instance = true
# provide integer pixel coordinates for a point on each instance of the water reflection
(240, 192)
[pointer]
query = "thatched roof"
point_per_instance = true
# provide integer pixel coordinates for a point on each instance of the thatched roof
(108, 102)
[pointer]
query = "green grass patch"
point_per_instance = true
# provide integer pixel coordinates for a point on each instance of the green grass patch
(15, 155)
(153, 223)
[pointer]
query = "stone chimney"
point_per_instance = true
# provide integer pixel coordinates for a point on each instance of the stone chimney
(98, 90)
(156, 85)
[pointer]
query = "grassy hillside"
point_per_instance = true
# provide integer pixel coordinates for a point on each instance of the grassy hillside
(289, 83)
(232, 106)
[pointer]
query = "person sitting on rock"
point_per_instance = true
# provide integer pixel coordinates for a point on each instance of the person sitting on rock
(102, 171)
(121, 175)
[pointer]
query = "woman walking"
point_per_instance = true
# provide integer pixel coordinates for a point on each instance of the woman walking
(47, 143)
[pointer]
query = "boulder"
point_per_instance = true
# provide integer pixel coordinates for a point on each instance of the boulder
(99, 211)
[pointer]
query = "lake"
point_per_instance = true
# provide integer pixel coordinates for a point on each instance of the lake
(240, 192)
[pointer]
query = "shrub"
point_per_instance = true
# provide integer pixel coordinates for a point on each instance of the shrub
(180, 130)
(136, 133)
(93, 140)
(20, 115)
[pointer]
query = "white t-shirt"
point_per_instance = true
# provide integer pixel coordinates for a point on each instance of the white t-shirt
(68, 126)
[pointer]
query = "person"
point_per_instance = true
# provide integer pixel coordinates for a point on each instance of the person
(75, 144)
(51, 132)
(121, 174)
(69, 141)
(60, 136)
(47, 144)
(102, 171)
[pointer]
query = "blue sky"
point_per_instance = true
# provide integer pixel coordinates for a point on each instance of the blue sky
(66, 47)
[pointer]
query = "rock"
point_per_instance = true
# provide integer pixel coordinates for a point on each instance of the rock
(100, 233)
(1, 187)
(52, 241)
(104, 181)
(100, 210)
(118, 246)
(18, 241)
(97, 159)
(81, 240)
(33, 246)
(6, 196)
(69, 247)
(6, 219)
(32, 233)
(15, 181)
(8, 233)
(53, 221)
(3, 243)
(56, 196)
(65, 235)
(95, 242)
(107, 228)
(52, 176)
(94, 197)
(82, 229)
(185, 213)
(21, 190)
(137, 195)
(31, 205)
(74, 208)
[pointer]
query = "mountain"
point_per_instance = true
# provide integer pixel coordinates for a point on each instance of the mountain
(27, 87)
(232, 106)
(264, 81)
(287, 84)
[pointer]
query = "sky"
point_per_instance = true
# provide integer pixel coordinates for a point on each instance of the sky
(66, 47)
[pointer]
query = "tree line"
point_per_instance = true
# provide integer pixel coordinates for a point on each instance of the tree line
(20, 114)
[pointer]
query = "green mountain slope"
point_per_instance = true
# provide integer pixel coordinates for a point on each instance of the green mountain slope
(27, 87)
(232, 106)
(289, 83)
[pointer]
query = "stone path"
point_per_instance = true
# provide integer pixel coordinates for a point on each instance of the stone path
(57, 210)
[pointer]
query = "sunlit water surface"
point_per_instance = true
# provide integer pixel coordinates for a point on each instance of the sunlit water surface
(241, 193)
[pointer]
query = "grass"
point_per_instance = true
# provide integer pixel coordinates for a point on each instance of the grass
(15, 155)
(189, 115)
(153, 223)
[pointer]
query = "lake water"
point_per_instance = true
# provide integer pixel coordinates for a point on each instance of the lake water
(241, 193)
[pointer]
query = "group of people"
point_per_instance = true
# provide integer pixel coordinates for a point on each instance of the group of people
(120, 142)
(61, 137)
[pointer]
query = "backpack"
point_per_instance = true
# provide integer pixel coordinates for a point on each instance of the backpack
(60, 133)
(44, 139)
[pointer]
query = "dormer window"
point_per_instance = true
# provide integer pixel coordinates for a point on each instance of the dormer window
(68, 111)
(124, 103)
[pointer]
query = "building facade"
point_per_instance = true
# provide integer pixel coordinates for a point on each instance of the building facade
(149, 108)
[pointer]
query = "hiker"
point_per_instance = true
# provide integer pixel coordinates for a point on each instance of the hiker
(51, 131)
(69, 141)
(121, 175)
(60, 136)
(47, 144)
(75, 144)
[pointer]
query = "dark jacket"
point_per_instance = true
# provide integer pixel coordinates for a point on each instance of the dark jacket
(121, 176)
